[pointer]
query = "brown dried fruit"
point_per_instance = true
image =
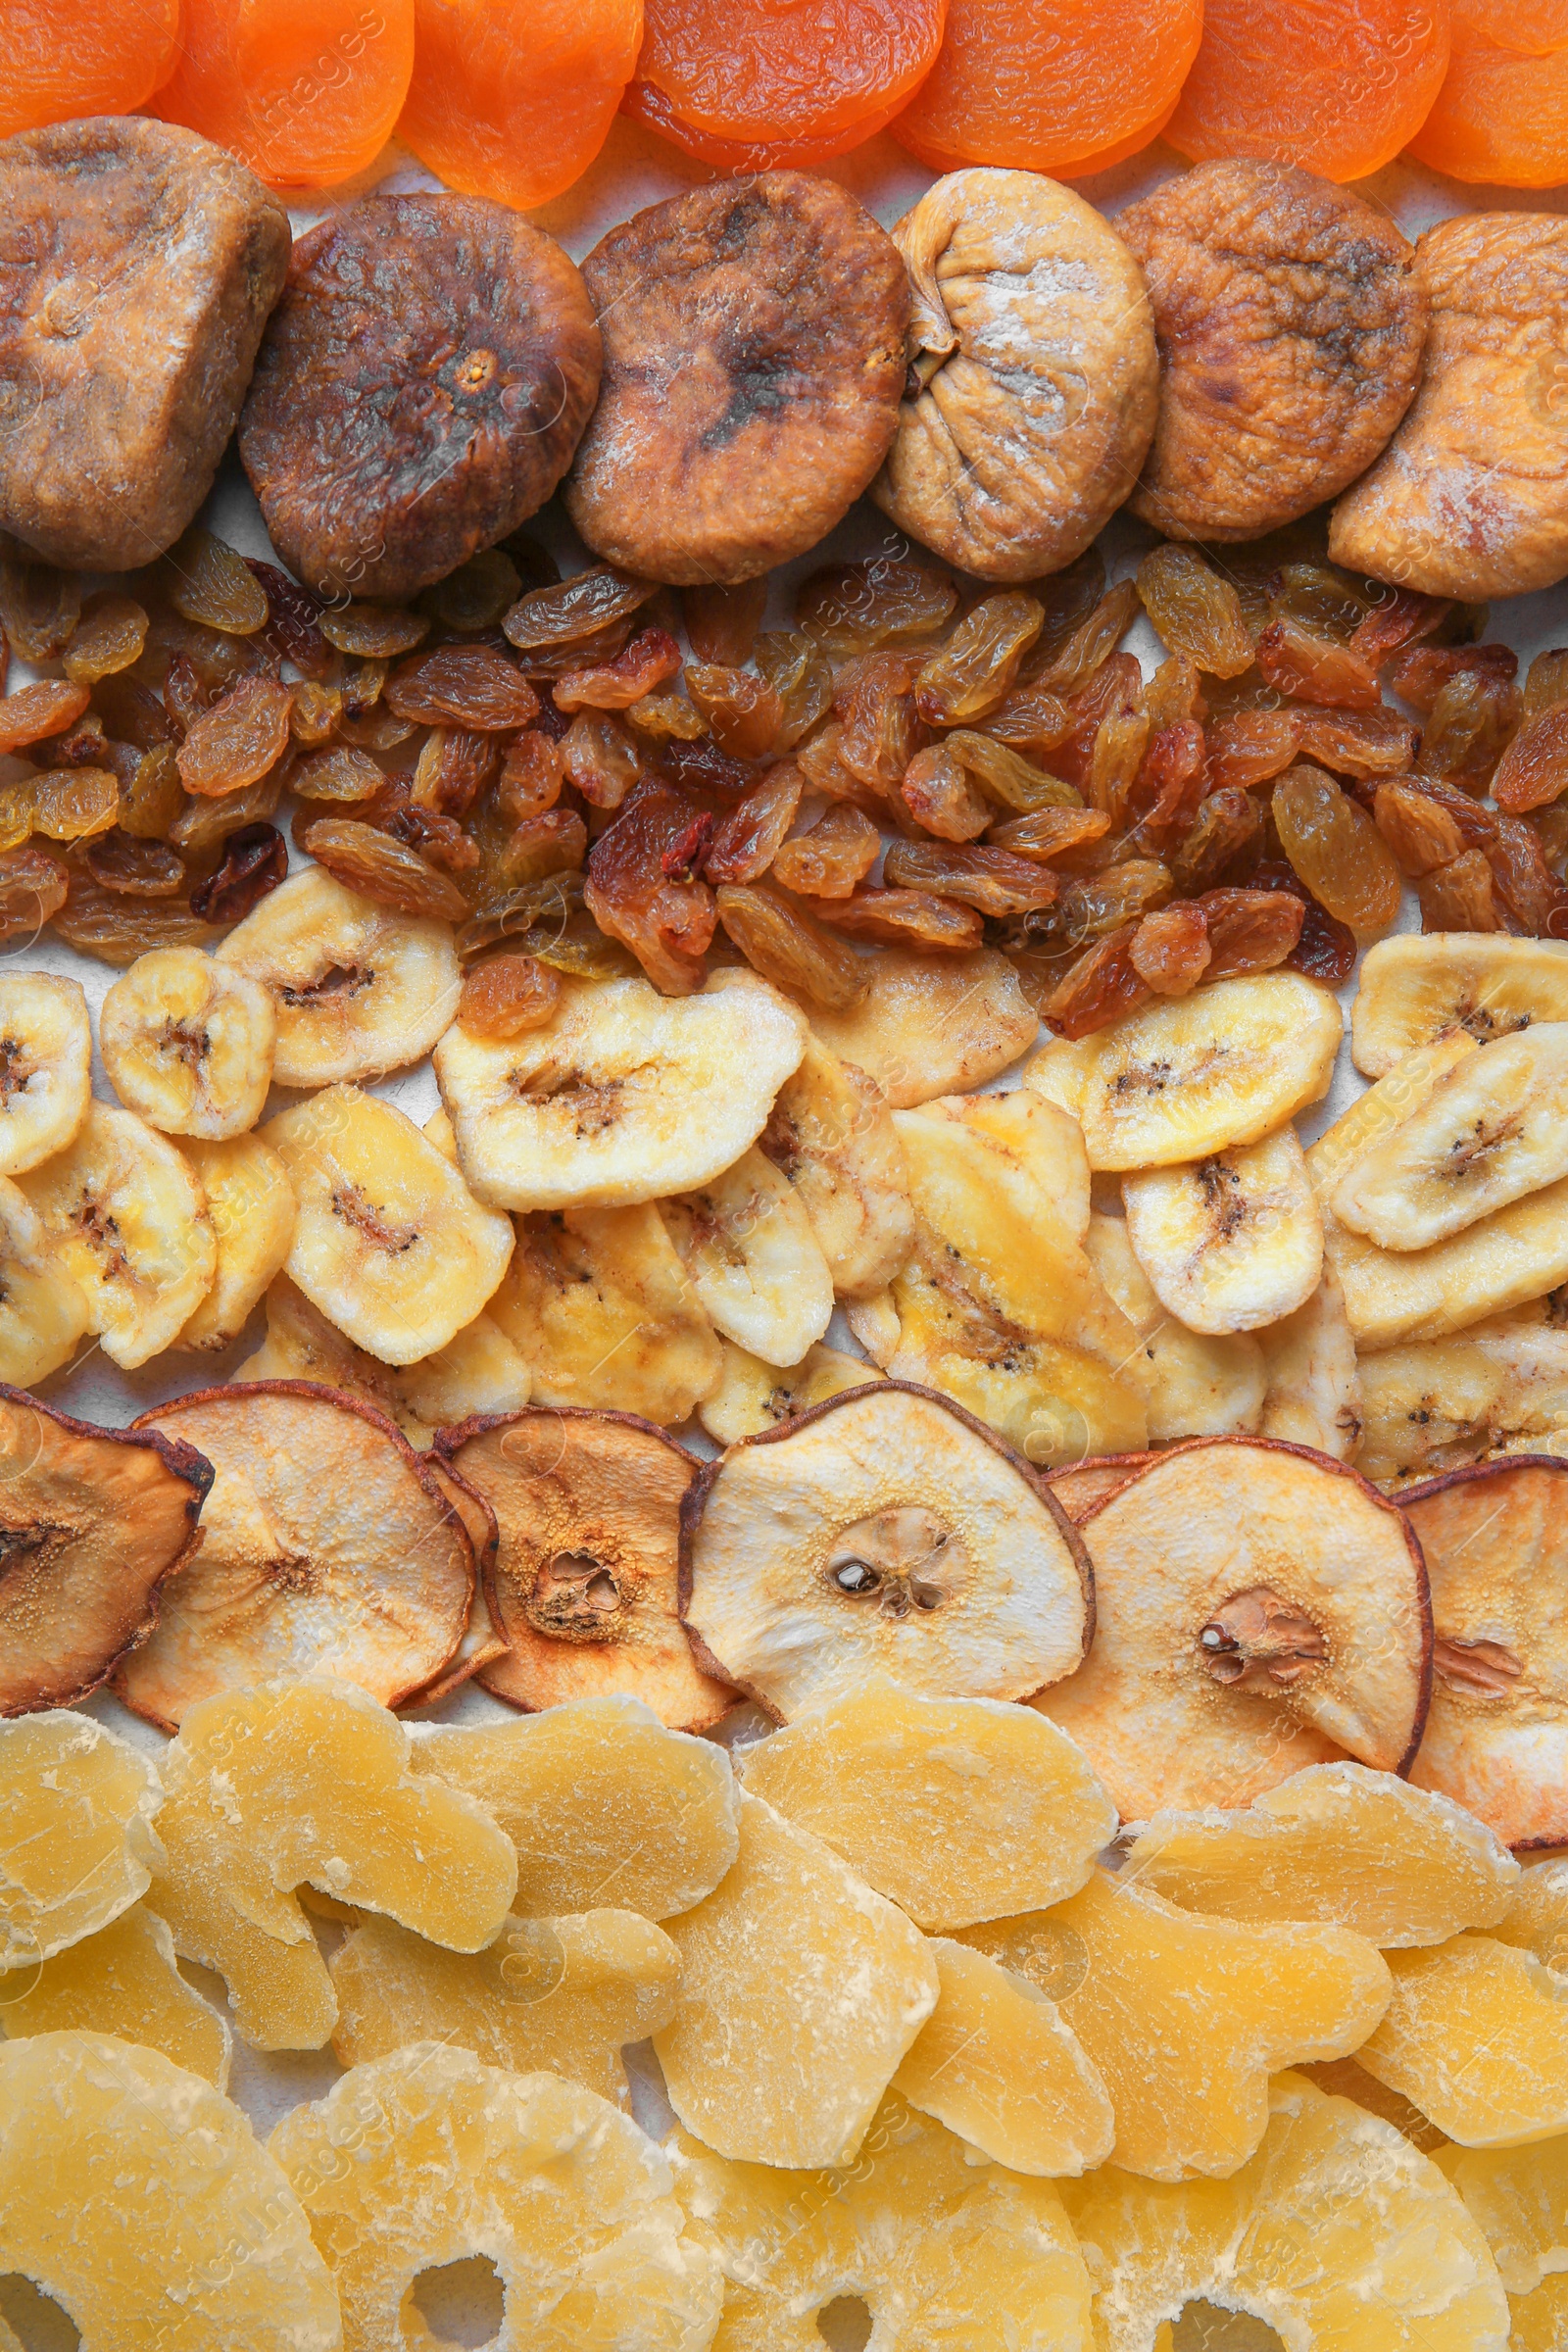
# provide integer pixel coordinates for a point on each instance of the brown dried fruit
(134, 713)
(135, 870)
(1314, 669)
(1546, 683)
(419, 391)
(1273, 922)
(970, 675)
(340, 773)
(1337, 850)
(39, 605)
(743, 713)
(655, 908)
(470, 686)
(1071, 668)
(34, 712)
(1534, 769)
(32, 891)
(146, 262)
(722, 623)
(1052, 832)
(554, 841)
(800, 676)
(1358, 743)
(293, 627)
(239, 740)
(1460, 896)
(108, 638)
(1227, 824)
(1468, 729)
(754, 359)
(994, 882)
(1419, 677)
(602, 757)
(937, 793)
(746, 840)
(382, 868)
(1420, 831)
(854, 608)
(1196, 609)
(531, 776)
(477, 595)
(506, 995)
(373, 632)
(1290, 318)
(651, 656)
(1249, 747)
(254, 861)
(203, 826)
(565, 615)
(782, 942)
(879, 729)
(1099, 988)
(904, 918)
(116, 930)
(71, 803)
(1402, 618)
(1170, 951)
(1529, 890)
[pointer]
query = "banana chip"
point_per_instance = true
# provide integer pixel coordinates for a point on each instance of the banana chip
(43, 1311)
(1229, 1242)
(357, 988)
(1501, 1387)
(45, 1067)
(931, 1024)
(188, 1044)
(1196, 1387)
(127, 1217)
(1198, 1074)
(1415, 987)
(622, 1096)
(1373, 1117)
(389, 1242)
(1314, 1393)
(753, 1395)
(251, 1203)
(747, 1243)
(831, 1134)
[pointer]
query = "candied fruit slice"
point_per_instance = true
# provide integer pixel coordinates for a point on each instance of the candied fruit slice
(1187, 2017)
(1335, 1841)
(1476, 2035)
(512, 99)
(1537, 1920)
(603, 1804)
(77, 1842)
(306, 94)
(124, 1980)
(558, 1996)
(801, 1992)
(953, 1807)
(145, 2208)
(1519, 2198)
(995, 2064)
(427, 2157)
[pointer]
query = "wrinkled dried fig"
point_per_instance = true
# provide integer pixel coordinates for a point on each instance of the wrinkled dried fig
(419, 392)
(1290, 319)
(754, 358)
(137, 267)
(1033, 383)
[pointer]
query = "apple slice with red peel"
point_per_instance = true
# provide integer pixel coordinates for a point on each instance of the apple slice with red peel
(1081, 1486)
(1496, 1538)
(1260, 1607)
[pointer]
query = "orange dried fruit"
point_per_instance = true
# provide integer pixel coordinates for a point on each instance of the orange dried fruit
(73, 61)
(124, 1980)
(514, 101)
(1360, 82)
(78, 1847)
(1501, 113)
(1476, 2036)
(306, 95)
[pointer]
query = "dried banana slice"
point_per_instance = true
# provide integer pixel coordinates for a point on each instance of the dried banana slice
(477, 1371)
(1415, 987)
(45, 1066)
(602, 1309)
(831, 1133)
(1503, 1260)
(357, 988)
(1038, 1138)
(751, 1396)
(389, 1242)
(251, 1203)
(43, 1309)
(1374, 1116)
(1229, 1242)
(1493, 1131)
(1501, 1387)
(188, 1044)
(1194, 1386)
(1314, 1392)
(747, 1244)
(932, 1024)
(624, 1096)
(1192, 1076)
(127, 1217)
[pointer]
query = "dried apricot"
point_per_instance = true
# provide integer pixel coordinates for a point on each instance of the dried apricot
(307, 95)
(1501, 113)
(512, 99)
(65, 60)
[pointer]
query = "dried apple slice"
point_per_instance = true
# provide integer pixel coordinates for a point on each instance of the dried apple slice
(751, 1396)
(327, 1544)
(1083, 1486)
(124, 1980)
(1496, 1540)
(753, 1258)
(1476, 2036)
(1260, 1608)
(93, 1522)
(1232, 1242)
(481, 1643)
(884, 1532)
(77, 1842)
(1197, 1385)
(584, 1587)
(1414, 988)
(931, 1024)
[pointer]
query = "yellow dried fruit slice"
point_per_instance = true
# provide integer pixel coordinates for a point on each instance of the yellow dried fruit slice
(960, 1809)
(77, 1842)
(1537, 1920)
(1197, 1383)
(603, 1804)
(1373, 1116)
(830, 1134)
(43, 1309)
(1335, 1841)
(1519, 2198)
(45, 1066)
(427, 2157)
(211, 2249)
(584, 1582)
(560, 1996)
(1540, 2317)
(1338, 2233)
(251, 1204)
(751, 1396)
(995, 2064)
(883, 1532)
(188, 1043)
(1503, 1260)
(931, 1026)
(801, 1992)
(1343, 2079)
(945, 2253)
(1186, 2017)
(325, 1544)
(1498, 1388)
(1232, 1242)
(753, 1258)
(1314, 1389)
(1476, 2036)
(1413, 989)
(124, 1980)
(1258, 1608)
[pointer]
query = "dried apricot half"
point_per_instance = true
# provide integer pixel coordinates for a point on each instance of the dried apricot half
(76, 59)
(1501, 114)
(305, 91)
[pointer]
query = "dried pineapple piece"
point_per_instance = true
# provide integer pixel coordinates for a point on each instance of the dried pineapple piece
(251, 1203)
(146, 2207)
(995, 2064)
(1501, 1387)
(558, 1996)
(1313, 1396)
(946, 2253)
(931, 1024)
(1343, 2079)
(43, 1309)
(598, 1302)
(1186, 2017)
(77, 1842)
(1336, 1841)
(960, 1809)
(124, 1980)
(1232, 1242)
(831, 1135)
(1519, 2198)
(1196, 1385)
(1540, 2317)
(1414, 988)
(388, 1243)
(427, 2157)
(1476, 2035)
(751, 1396)
(188, 1044)
(604, 1804)
(1337, 2234)
(311, 1779)
(752, 1256)
(1537, 1920)
(801, 1992)
(477, 1371)
(1194, 1075)
(45, 1067)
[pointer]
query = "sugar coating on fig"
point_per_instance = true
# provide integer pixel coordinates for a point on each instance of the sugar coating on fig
(137, 266)
(1290, 319)
(753, 361)
(419, 391)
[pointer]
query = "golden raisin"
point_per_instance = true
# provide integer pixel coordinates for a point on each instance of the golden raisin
(382, 868)
(32, 891)
(993, 882)
(373, 632)
(973, 670)
(1460, 896)
(854, 608)
(827, 862)
(208, 582)
(108, 638)
(722, 623)
(463, 686)
(1316, 668)
(508, 995)
(742, 711)
(1196, 612)
(782, 942)
(646, 661)
(1170, 951)
(904, 918)
(242, 737)
(749, 837)
(1337, 851)
(937, 792)
(34, 712)
(1534, 769)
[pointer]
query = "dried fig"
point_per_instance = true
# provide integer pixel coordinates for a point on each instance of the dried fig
(754, 358)
(1033, 383)
(137, 266)
(419, 391)
(1289, 318)
(1470, 499)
